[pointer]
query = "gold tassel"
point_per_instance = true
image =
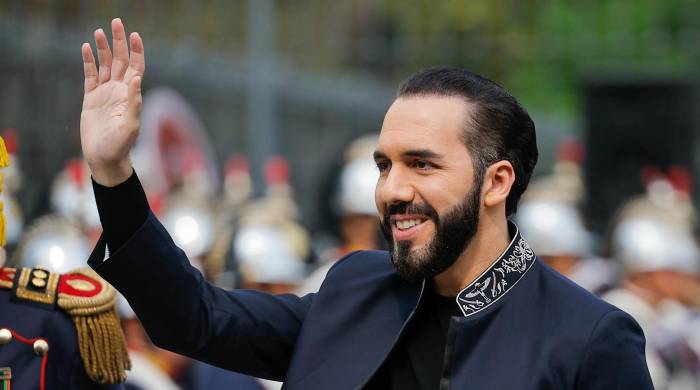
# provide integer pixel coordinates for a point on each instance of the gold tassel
(4, 156)
(102, 347)
(3, 235)
(100, 338)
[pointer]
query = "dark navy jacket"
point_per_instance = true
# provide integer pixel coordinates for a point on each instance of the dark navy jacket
(524, 325)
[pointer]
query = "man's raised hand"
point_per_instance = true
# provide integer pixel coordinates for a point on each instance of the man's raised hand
(109, 122)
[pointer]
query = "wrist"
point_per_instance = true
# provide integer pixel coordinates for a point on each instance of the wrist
(111, 175)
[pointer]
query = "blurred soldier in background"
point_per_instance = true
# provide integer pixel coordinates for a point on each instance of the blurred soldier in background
(549, 218)
(57, 331)
(173, 150)
(53, 242)
(354, 201)
(359, 224)
(191, 222)
(652, 239)
(11, 183)
(269, 253)
(71, 197)
(237, 192)
(267, 256)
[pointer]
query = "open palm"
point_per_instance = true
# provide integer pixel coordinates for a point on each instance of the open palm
(110, 119)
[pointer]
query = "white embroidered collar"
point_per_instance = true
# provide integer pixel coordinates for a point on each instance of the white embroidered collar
(499, 278)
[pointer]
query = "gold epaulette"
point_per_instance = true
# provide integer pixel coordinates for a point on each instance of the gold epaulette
(91, 302)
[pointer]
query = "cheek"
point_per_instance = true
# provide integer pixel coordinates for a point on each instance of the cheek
(444, 194)
(379, 201)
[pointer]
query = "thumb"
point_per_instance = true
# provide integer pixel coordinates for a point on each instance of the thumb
(135, 99)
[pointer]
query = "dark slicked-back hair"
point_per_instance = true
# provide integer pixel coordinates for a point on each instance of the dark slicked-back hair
(499, 128)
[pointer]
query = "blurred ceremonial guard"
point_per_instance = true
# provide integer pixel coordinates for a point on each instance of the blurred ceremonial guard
(652, 238)
(11, 183)
(353, 202)
(550, 219)
(269, 250)
(58, 331)
(72, 199)
(266, 246)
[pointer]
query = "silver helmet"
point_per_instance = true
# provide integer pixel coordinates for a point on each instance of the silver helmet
(53, 242)
(654, 231)
(265, 254)
(553, 228)
(648, 243)
(358, 179)
(191, 223)
(72, 195)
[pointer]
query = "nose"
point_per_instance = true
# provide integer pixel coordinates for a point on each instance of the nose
(395, 187)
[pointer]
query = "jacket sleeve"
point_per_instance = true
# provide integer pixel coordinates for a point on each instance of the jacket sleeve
(242, 330)
(614, 358)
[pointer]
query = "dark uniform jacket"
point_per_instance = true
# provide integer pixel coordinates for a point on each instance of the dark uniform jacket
(34, 316)
(523, 326)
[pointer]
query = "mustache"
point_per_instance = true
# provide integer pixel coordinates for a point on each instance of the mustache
(411, 208)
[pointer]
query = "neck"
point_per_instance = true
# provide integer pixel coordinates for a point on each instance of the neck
(490, 241)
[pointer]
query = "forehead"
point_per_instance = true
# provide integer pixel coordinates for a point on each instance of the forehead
(425, 122)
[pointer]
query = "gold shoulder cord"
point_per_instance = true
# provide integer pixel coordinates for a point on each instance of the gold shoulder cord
(100, 338)
(4, 162)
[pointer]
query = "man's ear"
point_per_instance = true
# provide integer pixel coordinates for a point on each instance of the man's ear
(498, 180)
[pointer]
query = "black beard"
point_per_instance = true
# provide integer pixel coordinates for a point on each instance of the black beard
(453, 233)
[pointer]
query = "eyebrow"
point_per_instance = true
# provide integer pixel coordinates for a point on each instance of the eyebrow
(420, 153)
(379, 156)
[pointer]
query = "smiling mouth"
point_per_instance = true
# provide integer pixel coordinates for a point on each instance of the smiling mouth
(406, 228)
(408, 223)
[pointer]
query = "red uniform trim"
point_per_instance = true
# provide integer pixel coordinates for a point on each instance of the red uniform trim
(20, 338)
(64, 286)
(7, 277)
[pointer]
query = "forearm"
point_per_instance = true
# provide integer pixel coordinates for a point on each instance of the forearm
(245, 331)
(123, 209)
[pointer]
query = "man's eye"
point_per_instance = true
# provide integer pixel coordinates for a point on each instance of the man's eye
(383, 166)
(422, 165)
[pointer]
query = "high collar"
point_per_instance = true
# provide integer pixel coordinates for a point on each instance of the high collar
(499, 278)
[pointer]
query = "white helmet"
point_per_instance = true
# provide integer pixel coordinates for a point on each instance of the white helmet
(358, 179)
(646, 243)
(357, 184)
(553, 228)
(265, 255)
(55, 243)
(72, 195)
(191, 225)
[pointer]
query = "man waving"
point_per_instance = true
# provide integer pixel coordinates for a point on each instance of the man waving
(459, 301)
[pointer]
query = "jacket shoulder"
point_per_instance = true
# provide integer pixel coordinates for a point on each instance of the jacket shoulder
(561, 292)
(363, 261)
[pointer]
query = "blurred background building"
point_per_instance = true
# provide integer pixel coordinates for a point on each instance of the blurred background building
(284, 77)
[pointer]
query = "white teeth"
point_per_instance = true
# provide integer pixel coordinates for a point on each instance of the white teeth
(406, 224)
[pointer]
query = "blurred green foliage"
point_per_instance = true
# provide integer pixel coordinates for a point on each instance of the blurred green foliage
(540, 49)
